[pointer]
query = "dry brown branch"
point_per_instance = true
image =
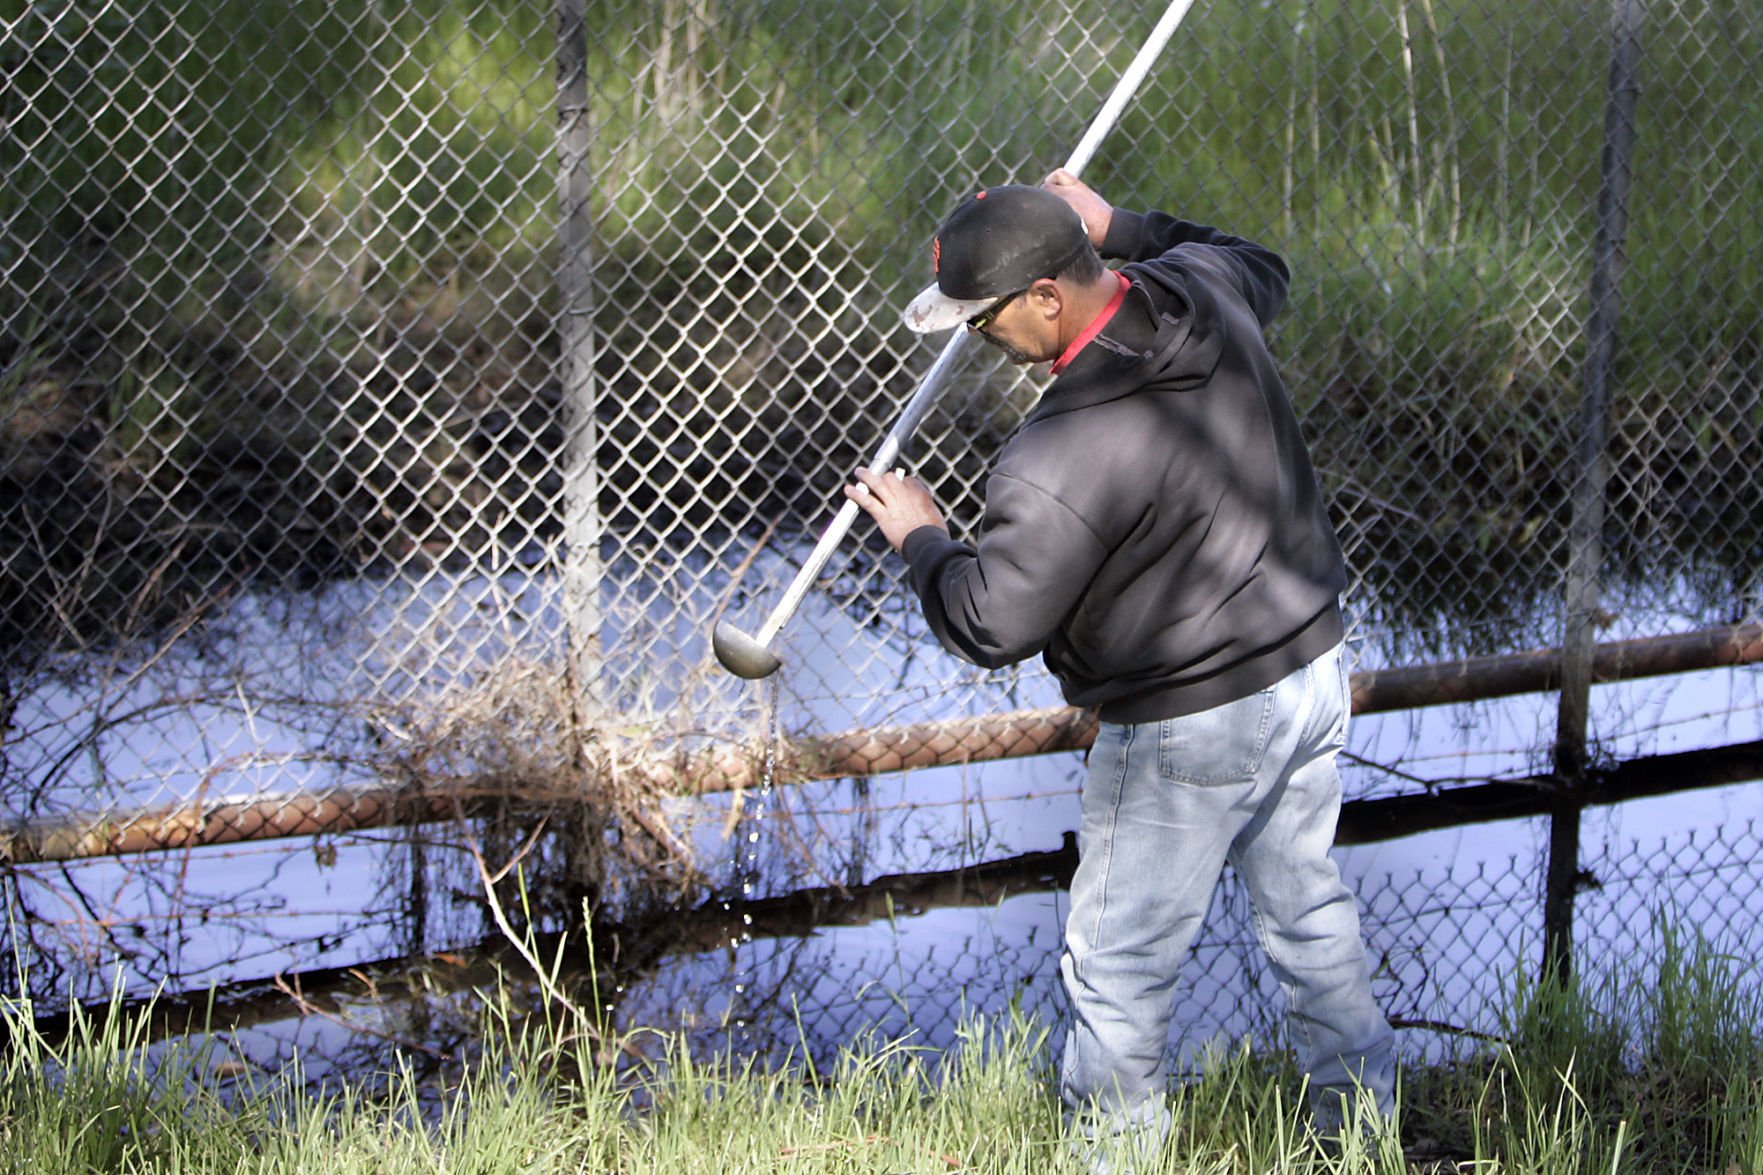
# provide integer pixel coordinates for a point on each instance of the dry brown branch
(740, 573)
(522, 944)
(307, 1008)
(512, 742)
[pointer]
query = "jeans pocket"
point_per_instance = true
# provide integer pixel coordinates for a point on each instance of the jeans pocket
(1222, 745)
(1346, 696)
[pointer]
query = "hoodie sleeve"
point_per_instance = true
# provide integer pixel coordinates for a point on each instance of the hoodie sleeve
(1258, 273)
(1003, 602)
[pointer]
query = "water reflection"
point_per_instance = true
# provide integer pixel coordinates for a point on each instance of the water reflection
(1451, 918)
(1450, 914)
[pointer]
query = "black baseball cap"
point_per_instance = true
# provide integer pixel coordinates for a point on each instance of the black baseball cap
(997, 241)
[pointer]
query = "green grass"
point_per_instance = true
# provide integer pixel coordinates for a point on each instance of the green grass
(1642, 1068)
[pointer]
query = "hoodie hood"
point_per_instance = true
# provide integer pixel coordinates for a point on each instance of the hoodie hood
(1168, 336)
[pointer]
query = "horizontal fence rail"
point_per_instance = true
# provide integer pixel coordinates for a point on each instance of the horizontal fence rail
(885, 750)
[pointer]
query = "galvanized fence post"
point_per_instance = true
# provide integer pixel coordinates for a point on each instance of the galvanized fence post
(1585, 539)
(575, 278)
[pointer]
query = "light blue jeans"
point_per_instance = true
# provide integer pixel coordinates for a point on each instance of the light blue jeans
(1165, 805)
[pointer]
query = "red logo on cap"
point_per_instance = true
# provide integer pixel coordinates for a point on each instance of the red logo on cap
(936, 254)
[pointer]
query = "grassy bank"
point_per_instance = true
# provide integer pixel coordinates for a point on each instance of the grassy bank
(1642, 1068)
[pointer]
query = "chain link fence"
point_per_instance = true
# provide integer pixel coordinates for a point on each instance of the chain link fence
(918, 957)
(392, 395)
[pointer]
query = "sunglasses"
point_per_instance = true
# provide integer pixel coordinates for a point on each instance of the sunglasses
(984, 318)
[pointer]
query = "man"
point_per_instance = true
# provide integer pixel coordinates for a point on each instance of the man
(1155, 531)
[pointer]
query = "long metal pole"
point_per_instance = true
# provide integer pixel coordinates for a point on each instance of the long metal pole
(1586, 544)
(750, 656)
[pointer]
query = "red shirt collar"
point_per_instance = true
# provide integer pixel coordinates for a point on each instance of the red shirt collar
(1095, 327)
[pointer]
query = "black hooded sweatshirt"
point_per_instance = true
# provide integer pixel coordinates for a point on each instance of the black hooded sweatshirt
(1154, 529)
